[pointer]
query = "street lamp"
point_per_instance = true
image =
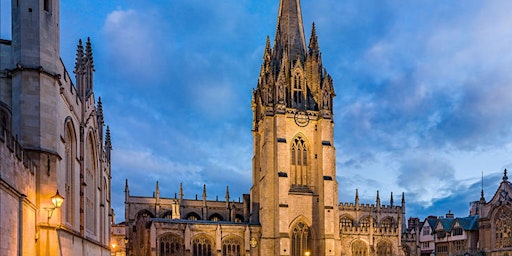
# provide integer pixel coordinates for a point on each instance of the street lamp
(307, 253)
(57, 201)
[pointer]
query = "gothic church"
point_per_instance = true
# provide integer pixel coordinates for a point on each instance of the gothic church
(54, 151)
(293, 207)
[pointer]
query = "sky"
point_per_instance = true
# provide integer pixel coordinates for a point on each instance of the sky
(423, 105)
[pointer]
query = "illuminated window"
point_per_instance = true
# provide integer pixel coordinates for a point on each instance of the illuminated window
(201, 246)
(231, 247)
(384, 248)
(70, 156)
(171, 245)
(359, 248)
(301, 239)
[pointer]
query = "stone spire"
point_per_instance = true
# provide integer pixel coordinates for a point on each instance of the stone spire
(79, 60)
(157, 190)
(108, 143)
(314, 48)
(357, 196)
(391, 202)
(290, 31)
(181, 192)
(505, 177)
(227, 197)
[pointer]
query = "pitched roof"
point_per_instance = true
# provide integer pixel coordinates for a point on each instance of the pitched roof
(446, 223)
(469, 223)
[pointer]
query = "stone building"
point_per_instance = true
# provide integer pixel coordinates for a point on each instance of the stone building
(495, 220)
(52, 142)
(293, 207)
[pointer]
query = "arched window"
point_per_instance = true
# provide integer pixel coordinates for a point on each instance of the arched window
(299, 162)
(346, 223)
(239, 218)
(69, 159)
(298, 92)
(167, 215)
(202, 246)
(171, 245)
(90, 181)
(384, 248)
(216, 217)
(503, 226)
(232, 246)
(367, 222)
(387, 223)
(193, 216)
(301, 239)
(359, 248)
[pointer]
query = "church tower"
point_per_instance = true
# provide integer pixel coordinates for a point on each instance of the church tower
(294, 194)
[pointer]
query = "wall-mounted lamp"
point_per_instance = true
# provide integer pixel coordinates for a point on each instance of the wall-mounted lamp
(125, 240)
(307, 253)
(57, 201)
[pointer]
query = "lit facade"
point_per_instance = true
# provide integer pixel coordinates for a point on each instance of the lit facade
(51, 139)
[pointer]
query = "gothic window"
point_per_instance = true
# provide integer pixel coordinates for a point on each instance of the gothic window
(216, 217)
(201, 246)
(90, 181)
(298, 90)
(299, 157)
(167, 215)
(232, 246)
(69, 158)
(387, 223)
(193, 216)
(503, 226)
(301, 239)
(384, 248)
(239, 218)
(367, 222)
(171, 245)
(346, 223)
(359, 248)
(5, 121)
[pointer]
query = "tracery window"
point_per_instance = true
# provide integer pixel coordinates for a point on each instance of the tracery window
(70, 155)
(503, 226)
(90, 181)
(171, 245)
(216, 217)
(193, 216)
(359, 248)
(384, 248)
(202, 246)
(387, 223)
(301, 239)
(346, 222)
(367, 222)
(298, 90)
(231, 247)
(299, 157)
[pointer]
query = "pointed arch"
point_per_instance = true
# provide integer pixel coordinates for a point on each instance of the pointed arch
(170, 244)
(301, 235)
(299, 153)
(232, 245)
(367, 221)
(70, 153)
(298, 85)
(202, 245)
(346, 222)
(91, 179)
(384, 248)
(359, 248)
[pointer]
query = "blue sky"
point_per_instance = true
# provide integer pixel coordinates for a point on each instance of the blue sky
(423, 106)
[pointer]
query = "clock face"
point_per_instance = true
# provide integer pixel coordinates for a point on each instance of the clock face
(301, 118)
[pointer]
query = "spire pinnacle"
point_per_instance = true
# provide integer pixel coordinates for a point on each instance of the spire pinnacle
(108, 142)
(314, 48)
(403, 199)
(204, 192)
(357, 196)
(181, 191)
(391, 200)
(88, 54)
(227, 193)
(79, 60)
(378, 199)
(505, 178)
(290, 29)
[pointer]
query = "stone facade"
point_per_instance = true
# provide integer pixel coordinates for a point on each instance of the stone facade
(51, 140)
(293, 207)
